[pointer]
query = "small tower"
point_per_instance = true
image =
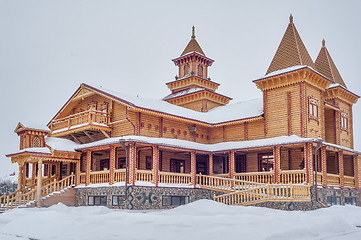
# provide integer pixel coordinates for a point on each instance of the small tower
(193, 88)
(291, 51)
(31, 136)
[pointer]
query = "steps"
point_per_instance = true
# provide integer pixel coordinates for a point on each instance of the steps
(65, 196)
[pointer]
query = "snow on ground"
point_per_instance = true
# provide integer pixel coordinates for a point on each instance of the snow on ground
(203, 219)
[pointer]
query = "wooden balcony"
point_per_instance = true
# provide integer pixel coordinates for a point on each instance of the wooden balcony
(91, 120)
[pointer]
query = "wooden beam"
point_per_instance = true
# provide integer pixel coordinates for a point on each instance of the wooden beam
(105, 133)
(76, 140)
(89, 136)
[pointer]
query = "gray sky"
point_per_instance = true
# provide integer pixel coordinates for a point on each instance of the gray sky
(48, 48)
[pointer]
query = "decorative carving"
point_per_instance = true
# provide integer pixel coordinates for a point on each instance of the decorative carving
(92, 105)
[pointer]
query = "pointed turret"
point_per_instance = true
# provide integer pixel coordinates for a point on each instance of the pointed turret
(193, 45)
(326, 66)
(291, 51)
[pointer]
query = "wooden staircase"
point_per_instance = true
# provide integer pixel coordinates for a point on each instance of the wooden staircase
(239, 192)
(26, 197)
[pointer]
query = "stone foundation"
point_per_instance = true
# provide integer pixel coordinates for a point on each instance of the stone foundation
(141, 198)
(144, 197)
(324, 195)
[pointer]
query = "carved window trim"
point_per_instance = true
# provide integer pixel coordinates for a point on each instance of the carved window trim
(344, 121)
(313, 109)
(36, 142)
(200, 70)
(92, 105)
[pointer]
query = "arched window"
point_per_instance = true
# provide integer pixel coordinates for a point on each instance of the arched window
(200, 71)
(186, 70)
(36, 142)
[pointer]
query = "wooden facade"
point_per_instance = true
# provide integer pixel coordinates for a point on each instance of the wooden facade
(297, 100)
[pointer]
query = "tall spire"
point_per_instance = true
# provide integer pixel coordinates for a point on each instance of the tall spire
(291, 51)
(326, 66)
(193, 45)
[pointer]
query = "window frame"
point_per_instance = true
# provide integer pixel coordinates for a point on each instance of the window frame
(102, 200)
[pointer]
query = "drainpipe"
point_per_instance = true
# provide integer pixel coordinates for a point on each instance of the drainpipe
(319, 145)
(122, 144)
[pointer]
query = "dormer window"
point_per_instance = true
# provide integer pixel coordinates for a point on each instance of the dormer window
(200, 71)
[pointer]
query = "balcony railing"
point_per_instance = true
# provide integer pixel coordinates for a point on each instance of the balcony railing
(79, 119)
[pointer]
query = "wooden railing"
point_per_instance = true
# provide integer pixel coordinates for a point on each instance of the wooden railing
(174, 178)
(293, 176)
(266, 192)
(260, 177)
(333, 180)
(224, 184)
(89, 116)
(57, 186)
(144, 175)
(28, 194)
(349, 182)
(99, 177)
(119, 175)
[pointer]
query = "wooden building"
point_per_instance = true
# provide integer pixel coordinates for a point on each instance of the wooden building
(299, 135)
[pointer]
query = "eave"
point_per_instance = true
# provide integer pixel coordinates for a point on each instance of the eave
(341, 93)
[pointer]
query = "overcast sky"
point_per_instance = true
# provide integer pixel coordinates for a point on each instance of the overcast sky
(48, 48)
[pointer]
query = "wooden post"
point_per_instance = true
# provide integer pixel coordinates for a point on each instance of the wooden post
(324, 166)
(210, 164)
(308, 163)
(155, 169)
(112, 164)
(132, 163)
(193, 169)
(357, 171)
(77, 173)
(277, 163)
(33, 173)
(341, 169)
(20, 176)
(39, 184)
(231, 164)
(87, 169)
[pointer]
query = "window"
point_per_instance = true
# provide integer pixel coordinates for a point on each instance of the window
(148, 162)
(344, 121)
(350, 201)
(174, 200)
(186, 70)
(200, 71)
(333, 200)
(177, 166)
(97, 200)
(313, 108)
(36, 142)
(118, 200)
(265, 162)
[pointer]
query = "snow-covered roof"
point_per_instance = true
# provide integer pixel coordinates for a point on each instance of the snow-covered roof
(33, 150)
(182, 93)
(35, 126)
(61, 144)
(230, 112)
(291, 69)
(223, 146)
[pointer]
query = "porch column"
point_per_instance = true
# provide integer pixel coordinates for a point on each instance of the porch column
(210, 164)
(33, 173)
(39, 184)
(58, 170)
(88, 163)
(193, 169)
(112, 164)
(357, 171)
(308, 163)
(155, 168)
(324, 166)
(341, 169)
(132, 163)
(20, 176)
(277, 163)
(24, 176)
(77, 173)
(231, 166)
(49, 170)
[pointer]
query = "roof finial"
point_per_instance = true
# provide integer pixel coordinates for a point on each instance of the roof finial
(193, 34)
(323, 42)
(291, 18)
